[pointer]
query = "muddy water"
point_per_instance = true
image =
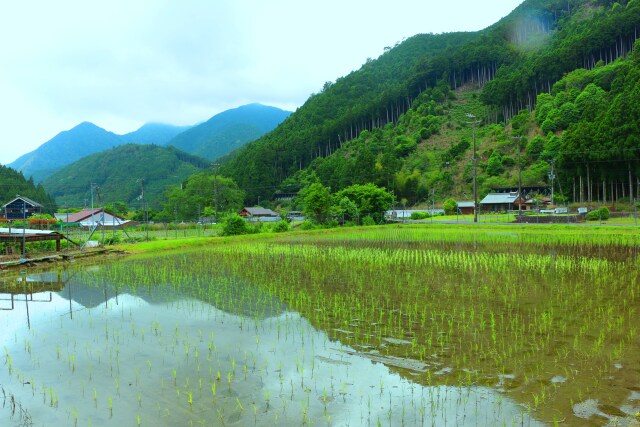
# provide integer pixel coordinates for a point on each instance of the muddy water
(82, 354)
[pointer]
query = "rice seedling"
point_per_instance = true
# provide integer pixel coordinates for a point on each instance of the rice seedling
(451, 310)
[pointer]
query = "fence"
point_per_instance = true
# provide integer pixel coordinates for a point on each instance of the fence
(79, 236)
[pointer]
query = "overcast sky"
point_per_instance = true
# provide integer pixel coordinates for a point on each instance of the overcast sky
(120, 64)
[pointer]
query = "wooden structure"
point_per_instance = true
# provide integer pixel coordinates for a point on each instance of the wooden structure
(495, 202)
(466, 207)
(258, 213)
(21, 236)
(21, 207)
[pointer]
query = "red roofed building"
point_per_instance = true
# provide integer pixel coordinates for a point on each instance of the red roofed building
(92, 217)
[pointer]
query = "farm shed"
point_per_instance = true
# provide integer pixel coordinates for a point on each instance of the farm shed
(21, 207)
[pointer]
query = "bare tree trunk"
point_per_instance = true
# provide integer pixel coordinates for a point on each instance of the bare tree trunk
(612, 192)
(630, 183)
(589, 198)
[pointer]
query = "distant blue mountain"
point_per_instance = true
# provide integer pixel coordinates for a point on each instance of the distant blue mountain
(216, 137)
(154, 133)
(229, 130)
(65, 148)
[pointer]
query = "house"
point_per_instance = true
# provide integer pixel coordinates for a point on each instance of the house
(496, 202)
(92, 217)
(536, 203)
(258, 213)
(466, 207)
(21, 207)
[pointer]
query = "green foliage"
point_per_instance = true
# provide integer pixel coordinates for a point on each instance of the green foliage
(397, 123)
(521, 122)
(368, 221)
(229, 130)
(494, 164)
(13, 183)
(197, 196)
(543, 107)
(457, 150)
(450, 206)
(118, 173)
(316, 202)
(534, 147)
(403, 146)
(346, 209)
(280, 226)
(599, 214)
(536, 174)
(369, 199)
(234, 225)
(549, 125)
(584, 35)
(420, 215)
(308, 225)
(117, 208)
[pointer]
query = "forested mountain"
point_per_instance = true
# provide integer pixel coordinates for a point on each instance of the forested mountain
(229, 130)
(399, 110)
(216, 137)
(154, 133)
(82, 140)
(121, 173)
(13, 183)
(65, 148)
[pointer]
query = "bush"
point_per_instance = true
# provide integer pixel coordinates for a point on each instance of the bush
(368, 220)
(332, 223)
(450, 206)
(112, 239)
(234, 224)
(420, 215)
(281, 226)
(598, 214)
(307, 225)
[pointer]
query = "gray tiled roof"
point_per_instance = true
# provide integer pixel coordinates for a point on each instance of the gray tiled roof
(499, 198)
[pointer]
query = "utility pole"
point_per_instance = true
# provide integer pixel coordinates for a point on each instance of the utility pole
(92, 188)
(24, 226)
(475, 168)
(519, 138)
(175, 214)
(144, 207)
(551, 178)
(215, 188)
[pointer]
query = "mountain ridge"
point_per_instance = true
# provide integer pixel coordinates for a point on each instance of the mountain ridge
(121, 172)
(509, 64)
(231, 129)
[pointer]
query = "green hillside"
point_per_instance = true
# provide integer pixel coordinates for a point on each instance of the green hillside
(63, 149)
(119, 174)
(13, 183)
(400, 121)
(229, 130)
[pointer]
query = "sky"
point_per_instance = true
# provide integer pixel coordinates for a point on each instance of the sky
(120, 64)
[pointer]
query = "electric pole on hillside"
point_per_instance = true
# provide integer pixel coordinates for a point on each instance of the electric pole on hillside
(93, 187)
(519, 138)
(215, 188)
(475, 167)
(144, 206)
(552, 176)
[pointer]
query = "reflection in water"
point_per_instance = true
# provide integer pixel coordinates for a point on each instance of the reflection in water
(158, 358)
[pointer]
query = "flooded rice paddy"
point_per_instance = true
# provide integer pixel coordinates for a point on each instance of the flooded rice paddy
(391, 326)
